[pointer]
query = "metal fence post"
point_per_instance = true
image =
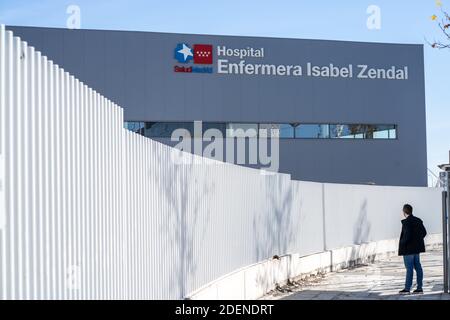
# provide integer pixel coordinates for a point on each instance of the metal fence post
(448, 230)
(444, 236)
(445, 184)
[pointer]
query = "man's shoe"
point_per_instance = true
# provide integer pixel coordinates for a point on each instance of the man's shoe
(418, 291)
(404, 291)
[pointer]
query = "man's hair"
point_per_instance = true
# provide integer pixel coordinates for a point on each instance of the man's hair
(408, 209)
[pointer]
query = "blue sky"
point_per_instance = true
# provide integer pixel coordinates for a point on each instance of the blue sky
(402, 21)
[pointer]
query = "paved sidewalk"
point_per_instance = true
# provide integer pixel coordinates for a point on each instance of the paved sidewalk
(379, 281)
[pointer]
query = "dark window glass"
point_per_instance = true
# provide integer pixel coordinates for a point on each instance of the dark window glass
(317, 131)
(165, 129)
(221, 126)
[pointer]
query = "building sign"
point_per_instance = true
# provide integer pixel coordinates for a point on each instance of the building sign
(250, 61)
(200, 54)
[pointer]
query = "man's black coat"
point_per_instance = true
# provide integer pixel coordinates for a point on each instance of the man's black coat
(411, 238)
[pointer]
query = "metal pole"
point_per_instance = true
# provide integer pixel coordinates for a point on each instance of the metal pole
(448, 229)
(444, 236)
(445, 182)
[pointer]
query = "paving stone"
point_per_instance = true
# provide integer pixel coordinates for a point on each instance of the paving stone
(378, 281)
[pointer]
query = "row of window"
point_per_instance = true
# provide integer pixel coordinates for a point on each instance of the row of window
(280, 130)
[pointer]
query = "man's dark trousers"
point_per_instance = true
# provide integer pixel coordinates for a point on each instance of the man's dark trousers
(412, 261)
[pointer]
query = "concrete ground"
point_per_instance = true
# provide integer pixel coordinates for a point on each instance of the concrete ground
(379, 281)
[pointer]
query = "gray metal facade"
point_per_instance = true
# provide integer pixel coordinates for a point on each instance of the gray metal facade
(136, 70)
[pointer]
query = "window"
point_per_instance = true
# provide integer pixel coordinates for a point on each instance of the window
(317, 131)
(363, 131)
(393, 133)
(270, 130)
(241, 130)
(383, 132)
(137, 127)
(280, 130)
(347, 131)
(165, 129)
(221, 126)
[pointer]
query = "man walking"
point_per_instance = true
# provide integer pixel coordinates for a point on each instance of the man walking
(410, 246)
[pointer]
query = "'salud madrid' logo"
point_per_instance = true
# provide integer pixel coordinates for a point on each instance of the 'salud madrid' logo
(198, 54)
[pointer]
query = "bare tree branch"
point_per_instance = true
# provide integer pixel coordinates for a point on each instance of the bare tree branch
(444, 25)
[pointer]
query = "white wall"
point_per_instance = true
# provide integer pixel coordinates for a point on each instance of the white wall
(256, 280)
(361, 214)
(93, 211)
